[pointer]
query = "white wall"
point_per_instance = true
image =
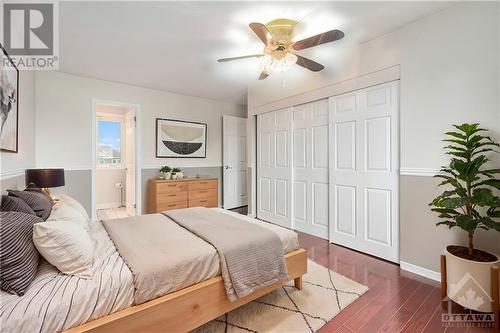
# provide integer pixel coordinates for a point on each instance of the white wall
(64, 121)
(449, 74)
(12, 163)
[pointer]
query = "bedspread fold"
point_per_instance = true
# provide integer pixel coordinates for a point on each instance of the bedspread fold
(251, 257)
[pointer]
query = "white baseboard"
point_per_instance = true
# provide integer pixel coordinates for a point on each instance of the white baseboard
(108, 205)
(436, 276)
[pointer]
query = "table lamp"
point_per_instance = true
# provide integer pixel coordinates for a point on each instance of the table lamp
(45, 178)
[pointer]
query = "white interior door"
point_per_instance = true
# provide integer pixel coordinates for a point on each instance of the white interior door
(364, 172)
(130, 163)
(310, 168)
(235, 161)
(274, 167)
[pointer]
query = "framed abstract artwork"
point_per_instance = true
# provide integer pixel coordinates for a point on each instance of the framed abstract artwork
(9, 103)
(177, 138)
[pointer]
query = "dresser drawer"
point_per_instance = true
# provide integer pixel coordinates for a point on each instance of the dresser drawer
(203, 184)
(169, 187)
(170, 197)
(202, 194)
(174, 205)
(207, 202)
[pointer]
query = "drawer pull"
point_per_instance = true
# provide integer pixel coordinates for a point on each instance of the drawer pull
(203, 200)
(172, 205)
(172, 195)
(203, 182)
(203, 191)
(172, 185)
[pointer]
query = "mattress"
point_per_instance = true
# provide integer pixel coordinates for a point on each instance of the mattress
(55, 301)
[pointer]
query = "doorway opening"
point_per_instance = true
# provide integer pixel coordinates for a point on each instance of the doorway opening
(115, 178)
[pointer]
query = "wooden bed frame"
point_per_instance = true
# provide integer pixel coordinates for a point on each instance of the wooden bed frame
(188, 308)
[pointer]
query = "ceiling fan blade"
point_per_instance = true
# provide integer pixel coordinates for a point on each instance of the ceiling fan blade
(240, 57)
(326, 37)
(263, 75)
(309, 64)
(262, 32)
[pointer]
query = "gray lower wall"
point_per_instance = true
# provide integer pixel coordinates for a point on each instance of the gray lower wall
(78, 186)
(192, 172)
(421, 241)
(12, 183)
(78, 183)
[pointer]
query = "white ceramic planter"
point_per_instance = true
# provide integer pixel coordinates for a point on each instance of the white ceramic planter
(469, 282)
(166, 175)
(180, 175)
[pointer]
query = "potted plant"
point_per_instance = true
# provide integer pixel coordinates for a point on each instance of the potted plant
(179, 173)
(470, 204)
(175, 173)
(165, 172)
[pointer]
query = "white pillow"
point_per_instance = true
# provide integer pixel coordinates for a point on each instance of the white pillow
(66, 246)
(67, 212)
(72, 202)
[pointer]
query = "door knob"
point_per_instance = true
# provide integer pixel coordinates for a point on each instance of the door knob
(228, 167)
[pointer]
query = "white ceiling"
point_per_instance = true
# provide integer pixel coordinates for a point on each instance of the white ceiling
(173, 46)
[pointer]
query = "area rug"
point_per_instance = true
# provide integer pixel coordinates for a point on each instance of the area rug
(324, 294)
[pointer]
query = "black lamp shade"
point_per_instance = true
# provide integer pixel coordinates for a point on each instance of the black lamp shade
(43, 178)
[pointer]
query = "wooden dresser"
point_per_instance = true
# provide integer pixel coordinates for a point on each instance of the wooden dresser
(173, 194)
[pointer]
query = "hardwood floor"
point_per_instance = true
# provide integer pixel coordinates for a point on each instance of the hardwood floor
(397, 301)
(241, 210)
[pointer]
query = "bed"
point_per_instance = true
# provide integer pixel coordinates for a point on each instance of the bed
(194, 295)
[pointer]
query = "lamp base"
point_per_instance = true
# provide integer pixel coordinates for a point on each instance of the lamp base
(48, 192)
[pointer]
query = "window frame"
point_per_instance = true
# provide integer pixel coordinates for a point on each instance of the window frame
(115, 119)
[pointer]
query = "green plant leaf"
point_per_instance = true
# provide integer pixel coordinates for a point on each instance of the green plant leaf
(466, 222)
(493, 213)
(459, 142)
(490, 223)
(456, 135)
(452, 203)
(489, 182)
(450, 224)
(491, 171)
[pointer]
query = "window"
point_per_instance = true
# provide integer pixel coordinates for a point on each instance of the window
(109, 143)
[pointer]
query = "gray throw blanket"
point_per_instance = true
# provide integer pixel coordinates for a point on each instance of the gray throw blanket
(251, 257)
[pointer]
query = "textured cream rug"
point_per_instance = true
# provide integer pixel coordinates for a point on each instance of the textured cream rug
(289, 310)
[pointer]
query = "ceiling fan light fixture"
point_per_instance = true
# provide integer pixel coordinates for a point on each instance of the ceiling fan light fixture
(272, 64)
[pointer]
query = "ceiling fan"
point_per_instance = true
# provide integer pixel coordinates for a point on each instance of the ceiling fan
(280, 51)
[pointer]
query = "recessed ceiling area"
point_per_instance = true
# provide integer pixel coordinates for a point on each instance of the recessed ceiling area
(174, 46)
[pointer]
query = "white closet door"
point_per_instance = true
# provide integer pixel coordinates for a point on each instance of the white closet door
(310, 168)
(274, 171)
(364, 159)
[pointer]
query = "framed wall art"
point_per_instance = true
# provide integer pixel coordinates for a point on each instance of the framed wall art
(178, 138)
(9, 103)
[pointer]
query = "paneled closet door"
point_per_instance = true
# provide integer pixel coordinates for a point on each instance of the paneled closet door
(274, 171)
(310, 168)
(364, 172)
